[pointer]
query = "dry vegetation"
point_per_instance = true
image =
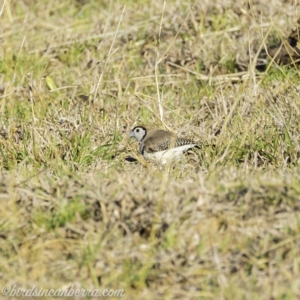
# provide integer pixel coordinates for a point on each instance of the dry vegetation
(76, 76)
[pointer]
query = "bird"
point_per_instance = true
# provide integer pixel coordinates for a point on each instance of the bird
(160, 145)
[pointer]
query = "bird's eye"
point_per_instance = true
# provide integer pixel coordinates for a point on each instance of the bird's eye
(137, 130)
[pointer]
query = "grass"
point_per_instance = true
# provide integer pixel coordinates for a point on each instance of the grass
(76, 76)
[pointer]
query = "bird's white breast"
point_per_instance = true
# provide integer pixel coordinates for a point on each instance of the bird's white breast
(170, 154)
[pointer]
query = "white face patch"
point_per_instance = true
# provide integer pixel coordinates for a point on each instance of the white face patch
(138, 133)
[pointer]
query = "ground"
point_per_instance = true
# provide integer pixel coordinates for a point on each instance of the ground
(76, 76)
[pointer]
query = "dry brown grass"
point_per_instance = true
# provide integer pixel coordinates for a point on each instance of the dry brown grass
(76, 76)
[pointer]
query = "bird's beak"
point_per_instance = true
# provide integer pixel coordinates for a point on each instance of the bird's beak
(131, 134)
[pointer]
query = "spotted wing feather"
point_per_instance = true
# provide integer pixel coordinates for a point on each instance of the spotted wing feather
(162, 142)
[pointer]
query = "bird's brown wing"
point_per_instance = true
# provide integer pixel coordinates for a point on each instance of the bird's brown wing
(158, 140)
(163, 140)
